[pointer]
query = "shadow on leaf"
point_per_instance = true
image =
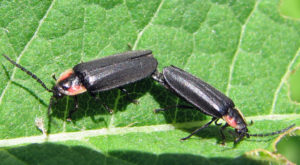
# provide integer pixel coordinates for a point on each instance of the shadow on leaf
(49, 153)
(165, 98)
(173, 158)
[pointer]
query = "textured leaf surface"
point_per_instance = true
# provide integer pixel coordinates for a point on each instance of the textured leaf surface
(246, 49)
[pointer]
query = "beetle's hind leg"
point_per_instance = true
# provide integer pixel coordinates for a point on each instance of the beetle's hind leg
(128, 96)
(199, 129)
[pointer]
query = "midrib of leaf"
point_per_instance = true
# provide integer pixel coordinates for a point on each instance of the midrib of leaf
(231, 67)
(24, 50)
(124, 130)
(283, 80)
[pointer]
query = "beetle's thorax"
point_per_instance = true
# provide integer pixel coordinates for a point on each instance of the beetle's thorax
(235, 119)
(68, 84)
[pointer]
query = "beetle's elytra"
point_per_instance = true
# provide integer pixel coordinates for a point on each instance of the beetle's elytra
(100, 75)
(207, 99)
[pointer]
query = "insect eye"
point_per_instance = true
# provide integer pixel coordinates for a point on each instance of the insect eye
(66, 86)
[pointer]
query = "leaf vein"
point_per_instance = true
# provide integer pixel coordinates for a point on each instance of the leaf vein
(283, 80)
(147, 26)
(24, 50)
(231, 67)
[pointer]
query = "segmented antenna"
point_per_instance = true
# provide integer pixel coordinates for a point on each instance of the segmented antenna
(273, 133)
(28, 72)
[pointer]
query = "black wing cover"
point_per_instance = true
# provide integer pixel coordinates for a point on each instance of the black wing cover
(197, 92)
(116, 71)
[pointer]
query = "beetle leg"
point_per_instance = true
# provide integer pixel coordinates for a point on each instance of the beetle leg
(69, 118)
(128, 96)
(173, 106)
(54, 77)
(199, 129)
(217, 124)
(251, 123)
(109, 110)
(238, 139)
(222, 133)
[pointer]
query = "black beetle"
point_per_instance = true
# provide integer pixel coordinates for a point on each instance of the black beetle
(207, 99)
(100, 75)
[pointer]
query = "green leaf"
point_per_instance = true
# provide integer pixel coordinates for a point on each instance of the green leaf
(287, 145)
(246, 49)
(294, 80)
(290, 8)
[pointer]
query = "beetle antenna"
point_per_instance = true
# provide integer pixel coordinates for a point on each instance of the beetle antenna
(273, 133)
(28, 72)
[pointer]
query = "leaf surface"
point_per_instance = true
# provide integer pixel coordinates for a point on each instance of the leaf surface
(246, 49)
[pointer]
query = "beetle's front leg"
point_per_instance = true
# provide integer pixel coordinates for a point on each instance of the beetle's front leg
(238, 139)
(128, 96)
(109, 110)
(69, 118)
(222, 133)
(54, 77)
(217, 124)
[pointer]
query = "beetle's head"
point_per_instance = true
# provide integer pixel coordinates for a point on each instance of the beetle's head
(235, 119)
(68, 84)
